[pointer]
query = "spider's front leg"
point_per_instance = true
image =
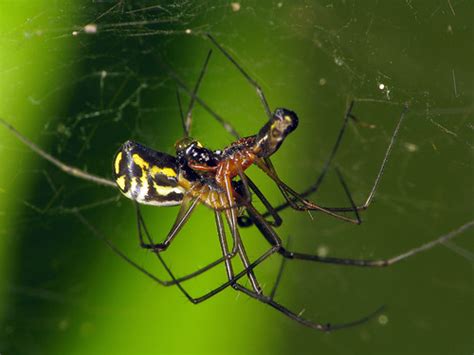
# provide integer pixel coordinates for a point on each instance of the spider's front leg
(298, 201)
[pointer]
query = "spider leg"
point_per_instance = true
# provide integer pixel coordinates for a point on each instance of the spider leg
(181, 219)
(252, 82)
(181, 114)
(313, 188)
(304, 205)
(380, 262)
(386, 157)
(335, 148)
(274, 240)
(245, 221)
(200, 270)
(188, 119)
(233, 280)
(327, 327)
(115, 249)
(258, 294)
(71, 170)
(222, 286)
(187, 207)
(243, 193)
(118, 252)
(231, 217)
(292, 197)
(349, 196)
(227, 125)
(280, 272)
(230, 282)
(267, 165)
(246, 194)
(223, 243)
(369, 199)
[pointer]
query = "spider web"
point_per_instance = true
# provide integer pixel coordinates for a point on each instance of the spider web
(80, 79)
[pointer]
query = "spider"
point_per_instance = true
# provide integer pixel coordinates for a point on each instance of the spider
(217, 179)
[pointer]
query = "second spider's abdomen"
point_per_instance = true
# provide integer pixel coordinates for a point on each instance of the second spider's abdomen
(147, 176)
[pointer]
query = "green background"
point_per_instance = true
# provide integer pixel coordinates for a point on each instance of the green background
(62, 291)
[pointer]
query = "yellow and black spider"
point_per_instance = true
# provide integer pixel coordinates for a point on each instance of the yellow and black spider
(217, 179)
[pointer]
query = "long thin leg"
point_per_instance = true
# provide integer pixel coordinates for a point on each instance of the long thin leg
(280, 272)
(245, 221)
(252, 82)
(118, 252)
(225, 258)
(380, 262)
(231, 216)
(349, 196)
(227, 125)
(255, 85)
(334, 150)
(242, 188)
(195, 273)
(375, 185)
(304, 205)
(177, 283)
(188, 122)
(71, 170)
(290, 314)
(187, 207)
(223, 243)
(181, 114)
(246, 263)
(257, 294)
(313, 188)
(215, 291)
(237, 277)
(274, 240)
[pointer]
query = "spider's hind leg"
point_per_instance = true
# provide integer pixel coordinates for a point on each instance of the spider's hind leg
(187, 207)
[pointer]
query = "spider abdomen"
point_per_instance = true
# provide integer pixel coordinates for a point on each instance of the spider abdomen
(147, 176)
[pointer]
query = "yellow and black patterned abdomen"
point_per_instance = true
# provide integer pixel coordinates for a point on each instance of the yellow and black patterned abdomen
(147, 176)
